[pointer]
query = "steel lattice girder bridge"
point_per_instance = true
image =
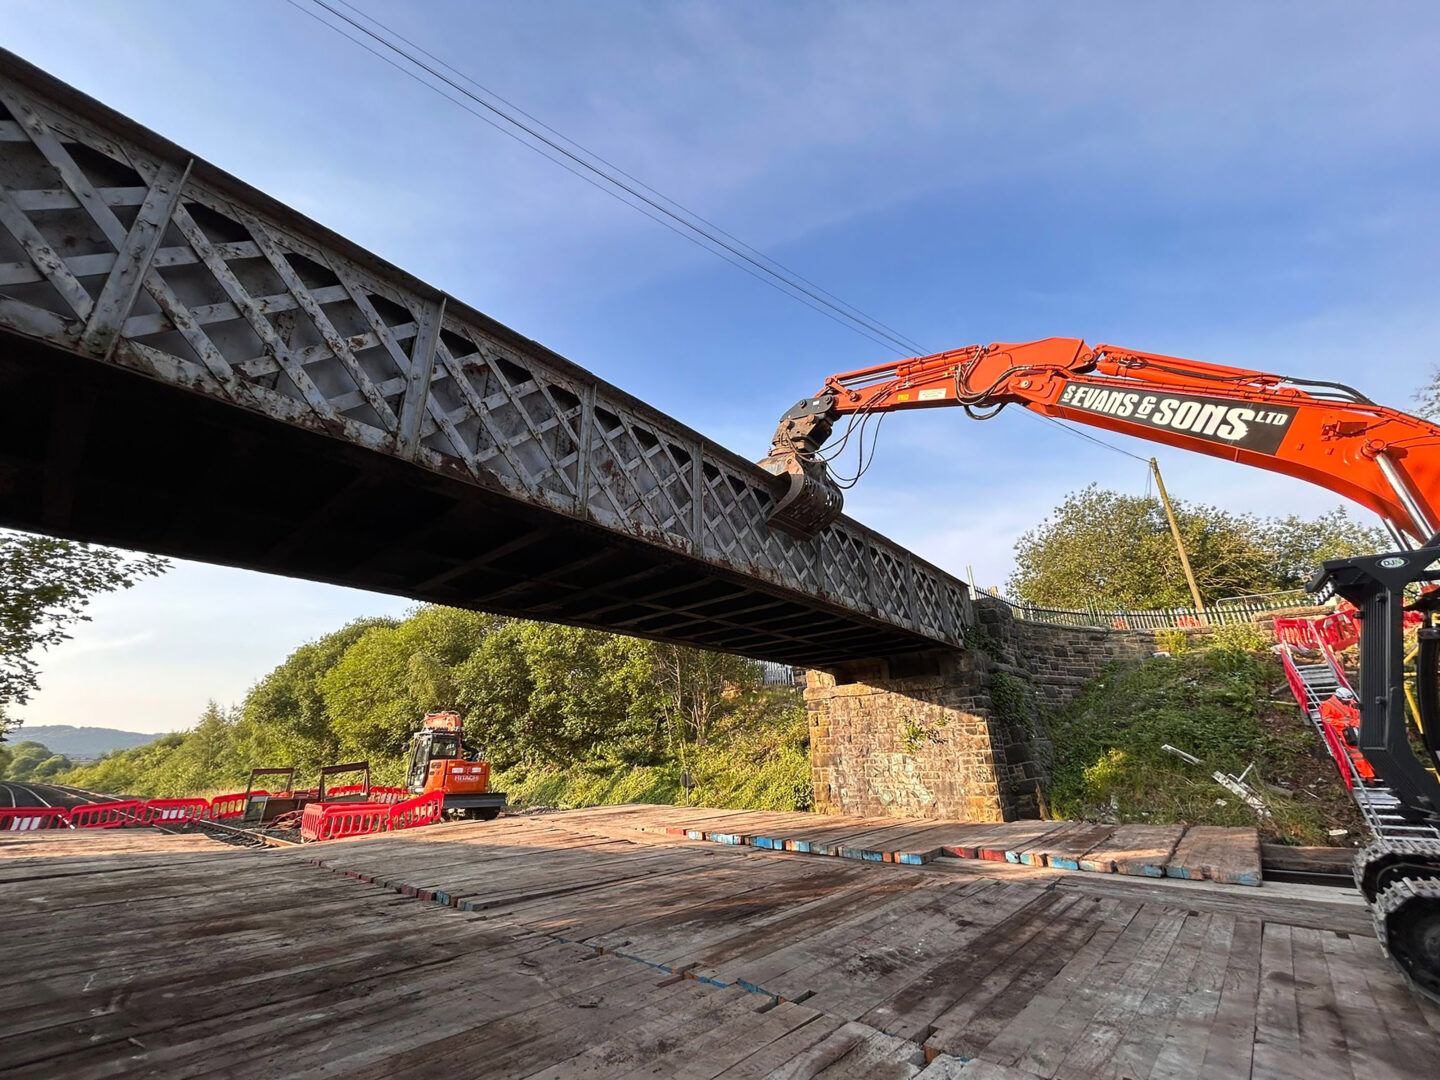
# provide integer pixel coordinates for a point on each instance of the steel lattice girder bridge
(191, 368)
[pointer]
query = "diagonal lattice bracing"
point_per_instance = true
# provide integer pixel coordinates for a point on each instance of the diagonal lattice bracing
(118, 248)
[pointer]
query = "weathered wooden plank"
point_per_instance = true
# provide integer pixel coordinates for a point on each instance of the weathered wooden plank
(44, 257)
(1220, 854)
(1043, 1032)
(1064, 847)
(1230, 1048)
(1110, 979)
(1144, 1035)
(1141, 850)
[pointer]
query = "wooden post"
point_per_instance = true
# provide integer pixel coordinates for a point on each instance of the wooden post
(1179, 543)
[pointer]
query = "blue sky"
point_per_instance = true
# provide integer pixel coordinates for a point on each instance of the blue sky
(1250, 184)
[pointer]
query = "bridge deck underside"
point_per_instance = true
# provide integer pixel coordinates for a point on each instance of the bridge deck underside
(93, 453)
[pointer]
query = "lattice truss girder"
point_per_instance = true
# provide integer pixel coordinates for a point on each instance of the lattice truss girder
(112, 253)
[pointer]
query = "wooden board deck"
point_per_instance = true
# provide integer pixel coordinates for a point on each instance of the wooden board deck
(583, 946)
(1138, 850)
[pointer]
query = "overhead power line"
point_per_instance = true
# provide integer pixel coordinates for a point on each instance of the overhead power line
(589, 166)
(412, 59)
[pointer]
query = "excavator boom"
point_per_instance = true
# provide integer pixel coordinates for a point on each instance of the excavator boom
(1324, 433)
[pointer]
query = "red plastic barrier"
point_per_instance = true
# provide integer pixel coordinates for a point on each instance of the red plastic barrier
(388, 794)
(1297, 685)
(346, 789)
(231, 806)
(32, 818)
(1339, 631)
(1337, 751)
(107, 815)
(329, 821)
(310, 821)
(1298, 632)
(174, 811)
(421, 810)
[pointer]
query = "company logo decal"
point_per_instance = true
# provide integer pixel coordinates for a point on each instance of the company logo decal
(1259, 428)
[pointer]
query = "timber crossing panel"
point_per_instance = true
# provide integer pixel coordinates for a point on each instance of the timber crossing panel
(191, 368)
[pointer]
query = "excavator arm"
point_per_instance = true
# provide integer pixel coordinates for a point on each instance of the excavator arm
(1326, 433)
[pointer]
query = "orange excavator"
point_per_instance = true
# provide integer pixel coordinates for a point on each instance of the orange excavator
(440, 762)
(1323, 432)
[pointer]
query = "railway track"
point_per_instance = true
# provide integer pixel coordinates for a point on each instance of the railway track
(16, 793)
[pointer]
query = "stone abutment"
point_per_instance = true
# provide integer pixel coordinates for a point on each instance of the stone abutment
(955, 732)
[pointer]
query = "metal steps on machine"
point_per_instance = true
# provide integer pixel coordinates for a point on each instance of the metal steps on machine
(1378, 804)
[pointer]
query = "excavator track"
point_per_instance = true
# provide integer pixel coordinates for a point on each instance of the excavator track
(1407, 922)
(1387, 860)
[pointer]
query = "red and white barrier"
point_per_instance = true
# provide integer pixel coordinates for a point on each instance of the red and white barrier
(320, 821)
(174, 811)
(111, 815)
(421, 810)
(223, 807)
(33, 818)
(330, 821)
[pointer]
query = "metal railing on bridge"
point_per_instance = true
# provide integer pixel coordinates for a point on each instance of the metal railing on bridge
(1239, 609)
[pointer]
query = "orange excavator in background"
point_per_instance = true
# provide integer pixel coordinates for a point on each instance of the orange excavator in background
(1323, 432)
(439, 762)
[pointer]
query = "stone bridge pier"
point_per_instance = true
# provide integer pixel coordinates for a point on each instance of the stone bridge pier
(953, 732)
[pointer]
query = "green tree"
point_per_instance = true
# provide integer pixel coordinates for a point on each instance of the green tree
(391, 676)
(1427, 398)
(284, 720)
(693, 686)
(1102, 547)
(45, 586)
(538, 692)
(205, 759)
(1105, 547)
(33, 761)
(142, 771)
(1297, 546)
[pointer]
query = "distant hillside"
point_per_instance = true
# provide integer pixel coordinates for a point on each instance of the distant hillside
(79, 743)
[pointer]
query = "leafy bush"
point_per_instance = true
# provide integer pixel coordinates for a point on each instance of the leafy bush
(1173, 642)
(1239, 638)
(1211, 703)
(759, 759)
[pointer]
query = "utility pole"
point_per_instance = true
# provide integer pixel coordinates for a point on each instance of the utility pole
(1179, 543)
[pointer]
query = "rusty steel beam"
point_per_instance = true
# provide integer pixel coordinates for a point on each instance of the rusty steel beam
(189, 367)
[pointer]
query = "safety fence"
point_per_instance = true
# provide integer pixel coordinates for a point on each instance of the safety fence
(223, 807)
(388, 810)
(111, 815)
(330, 821)
(375, 793)
(1240, 609)
(32, 819)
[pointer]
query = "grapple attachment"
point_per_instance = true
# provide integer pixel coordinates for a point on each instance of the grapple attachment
(810, 501)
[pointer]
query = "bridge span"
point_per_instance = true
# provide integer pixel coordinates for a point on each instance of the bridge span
(191, 368)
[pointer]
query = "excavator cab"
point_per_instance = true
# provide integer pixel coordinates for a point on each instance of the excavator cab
(439, 762)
